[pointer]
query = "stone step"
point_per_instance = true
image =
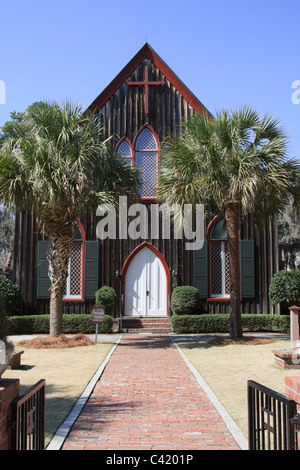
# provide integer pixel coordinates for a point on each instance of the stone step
(146, 325)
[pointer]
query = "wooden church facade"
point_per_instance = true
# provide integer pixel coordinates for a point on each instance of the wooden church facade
(141, 109)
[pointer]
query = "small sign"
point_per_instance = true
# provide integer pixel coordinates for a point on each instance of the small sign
(98, 314)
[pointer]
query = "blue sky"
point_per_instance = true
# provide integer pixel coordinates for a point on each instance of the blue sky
(229, 53)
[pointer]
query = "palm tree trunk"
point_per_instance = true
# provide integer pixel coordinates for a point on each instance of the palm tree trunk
(58, 272)
(232, 220)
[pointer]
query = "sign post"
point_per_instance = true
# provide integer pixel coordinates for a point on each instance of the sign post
(97, 317)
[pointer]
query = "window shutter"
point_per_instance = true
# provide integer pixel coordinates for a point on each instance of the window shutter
(91, 263)
(200, 270)
(43, 281)
(247, 268)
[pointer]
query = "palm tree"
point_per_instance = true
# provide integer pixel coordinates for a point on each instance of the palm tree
(53, 160)
(237, 164)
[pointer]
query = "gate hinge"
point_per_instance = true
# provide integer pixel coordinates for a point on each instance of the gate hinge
(296, 420)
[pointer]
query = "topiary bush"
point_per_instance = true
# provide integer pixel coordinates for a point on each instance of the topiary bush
(284, 288)
(185, 300)
(11, 296)
(106, 297)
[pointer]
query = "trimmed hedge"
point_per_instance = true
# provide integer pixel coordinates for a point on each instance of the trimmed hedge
(72, 324)
(220, 323)
(181, 324)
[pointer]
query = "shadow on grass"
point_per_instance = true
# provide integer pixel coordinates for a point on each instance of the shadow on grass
(200, 345)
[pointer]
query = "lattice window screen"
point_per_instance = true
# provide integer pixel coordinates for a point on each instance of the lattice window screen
(226, 269)
(74, 282)
(124, 151)
(219, 269)
(146, 141)
(146, 159)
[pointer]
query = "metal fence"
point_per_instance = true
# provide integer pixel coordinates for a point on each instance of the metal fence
(272, 419)
(28, 419)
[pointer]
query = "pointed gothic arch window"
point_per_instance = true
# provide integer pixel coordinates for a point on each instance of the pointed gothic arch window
(124, 151)
(146, 150)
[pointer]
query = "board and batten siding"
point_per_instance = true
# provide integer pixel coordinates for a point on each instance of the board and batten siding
(123, 115)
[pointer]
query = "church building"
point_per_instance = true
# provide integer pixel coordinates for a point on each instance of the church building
(141, 109)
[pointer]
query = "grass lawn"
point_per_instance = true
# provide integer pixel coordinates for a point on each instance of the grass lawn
(66, 371)
(226, 369)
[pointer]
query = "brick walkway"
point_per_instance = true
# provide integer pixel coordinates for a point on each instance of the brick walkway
(147, 398)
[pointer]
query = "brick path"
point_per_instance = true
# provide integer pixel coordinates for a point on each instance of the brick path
(147, 398)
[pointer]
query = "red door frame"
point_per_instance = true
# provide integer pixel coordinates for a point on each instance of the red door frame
(130, 258)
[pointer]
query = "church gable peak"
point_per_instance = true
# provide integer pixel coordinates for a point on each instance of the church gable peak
(139, 71)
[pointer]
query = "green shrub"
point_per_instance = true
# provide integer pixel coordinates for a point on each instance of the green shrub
(284, 288)
(72, 324)
(82, 324)
(185, 300)
(106, 297)
(3, 321)
(206, 323)
(11, 296)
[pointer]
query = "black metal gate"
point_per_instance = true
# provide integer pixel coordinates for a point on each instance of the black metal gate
(272, 419)
(28, 419)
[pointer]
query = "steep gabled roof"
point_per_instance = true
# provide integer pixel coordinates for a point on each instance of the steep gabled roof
(146, 52)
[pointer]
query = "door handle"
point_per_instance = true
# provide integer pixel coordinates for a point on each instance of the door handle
(147, 292)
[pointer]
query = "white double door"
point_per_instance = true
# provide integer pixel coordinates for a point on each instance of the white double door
(146, 286)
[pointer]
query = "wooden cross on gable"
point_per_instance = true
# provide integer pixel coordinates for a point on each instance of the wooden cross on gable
(146, 83)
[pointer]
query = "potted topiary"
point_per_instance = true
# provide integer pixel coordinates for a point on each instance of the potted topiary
(6, 347)
(106, 297)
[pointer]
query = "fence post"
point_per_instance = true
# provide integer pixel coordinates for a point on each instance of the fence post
(9, 391)
(294, 322)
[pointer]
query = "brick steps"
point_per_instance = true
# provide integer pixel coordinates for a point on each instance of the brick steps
(146, 325)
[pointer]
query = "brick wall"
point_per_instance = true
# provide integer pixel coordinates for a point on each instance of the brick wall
(9, 390)
(292, 390)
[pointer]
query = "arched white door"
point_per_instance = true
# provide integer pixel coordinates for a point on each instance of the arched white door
(145, 286)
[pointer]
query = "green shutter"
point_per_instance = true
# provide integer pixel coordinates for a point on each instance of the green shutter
(43, 281)
(200, 270)
(247, 268)
(91, 264)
